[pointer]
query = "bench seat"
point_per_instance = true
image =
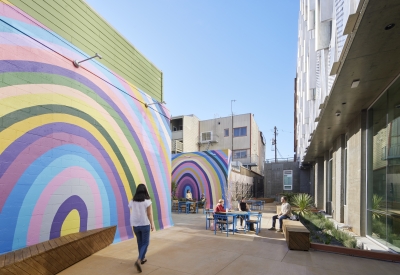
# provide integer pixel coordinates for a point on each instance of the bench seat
(53, 256)
(297, 235)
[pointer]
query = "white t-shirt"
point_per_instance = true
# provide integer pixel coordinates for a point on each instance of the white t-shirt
(139, 212)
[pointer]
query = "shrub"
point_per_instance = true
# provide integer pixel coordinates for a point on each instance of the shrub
(303, 202)
(317, 222)
(329, 225)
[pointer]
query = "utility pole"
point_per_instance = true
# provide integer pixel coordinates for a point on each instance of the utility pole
(233, 100)
(275, 141)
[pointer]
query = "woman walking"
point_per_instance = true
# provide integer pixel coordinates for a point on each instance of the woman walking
(141, 221)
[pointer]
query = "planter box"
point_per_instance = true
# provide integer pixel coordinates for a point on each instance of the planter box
(297, 235)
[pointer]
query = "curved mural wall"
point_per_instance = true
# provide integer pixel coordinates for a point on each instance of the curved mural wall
(74, 142)
(202, 172)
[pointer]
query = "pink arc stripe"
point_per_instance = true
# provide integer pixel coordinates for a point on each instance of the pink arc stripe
(51, 187)
(41, 146)
(15, 13)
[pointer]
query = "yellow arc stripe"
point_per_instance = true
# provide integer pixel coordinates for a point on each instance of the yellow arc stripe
(25, 96)
(9, 135)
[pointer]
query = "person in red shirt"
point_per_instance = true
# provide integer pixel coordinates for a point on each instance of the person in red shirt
(220, 206)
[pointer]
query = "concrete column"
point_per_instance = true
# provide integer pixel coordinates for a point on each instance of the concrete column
(356, 174)
(363, 199)
(338, 200)
(319, 183)
(326, 163)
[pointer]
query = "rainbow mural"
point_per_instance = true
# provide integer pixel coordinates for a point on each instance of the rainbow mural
(74, 143)
(202, 172)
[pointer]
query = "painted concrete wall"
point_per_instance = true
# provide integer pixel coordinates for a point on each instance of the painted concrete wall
(202, 172)
(74, 143)
(80, 25)
(273, 179)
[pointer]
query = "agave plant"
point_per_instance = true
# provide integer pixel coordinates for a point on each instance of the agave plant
(376, 205)
(303, 202)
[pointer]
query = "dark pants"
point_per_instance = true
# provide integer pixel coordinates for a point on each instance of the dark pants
(143, 239)
(274, 218)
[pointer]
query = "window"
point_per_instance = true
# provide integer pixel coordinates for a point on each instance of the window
(240, 154)
(240, 132)
(226, 132)
(180, 128)
(206, 136)
(287, 179)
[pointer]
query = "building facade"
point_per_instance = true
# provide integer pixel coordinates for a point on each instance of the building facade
(347, 98)
(75, 141)
(239, 133)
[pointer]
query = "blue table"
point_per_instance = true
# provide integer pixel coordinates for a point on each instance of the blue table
(234, 215)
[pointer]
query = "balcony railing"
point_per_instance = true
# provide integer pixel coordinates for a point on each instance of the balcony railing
(249, 161)
(176, 146)
(280, 160)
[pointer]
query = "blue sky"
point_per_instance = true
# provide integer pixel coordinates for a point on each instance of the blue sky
(213, 51)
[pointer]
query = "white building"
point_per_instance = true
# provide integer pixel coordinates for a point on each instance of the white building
(247, 141)
(347, 112)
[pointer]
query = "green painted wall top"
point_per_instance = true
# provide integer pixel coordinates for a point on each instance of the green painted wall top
(76, 22)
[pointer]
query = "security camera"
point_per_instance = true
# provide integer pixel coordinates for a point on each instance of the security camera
(337, 113)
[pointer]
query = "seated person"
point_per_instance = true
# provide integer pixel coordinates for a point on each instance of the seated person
(284, 214)
(220, 206)
(243, 207)
(202, 200)
(189, 195)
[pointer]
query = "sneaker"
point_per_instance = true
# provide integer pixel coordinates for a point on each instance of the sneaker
(272, 228)
(138, 266)
(279, 230)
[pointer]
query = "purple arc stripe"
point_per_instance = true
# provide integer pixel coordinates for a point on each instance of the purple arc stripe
(31, 66)
(12, 152)
(192, 183)
(73, 202)
(200, 168)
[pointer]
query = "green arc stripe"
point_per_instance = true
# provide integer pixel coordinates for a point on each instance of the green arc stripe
(24, 78)
(25, 113)
(12, 79)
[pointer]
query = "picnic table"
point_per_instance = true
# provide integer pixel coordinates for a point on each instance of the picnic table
(235, 214)
(188, 204)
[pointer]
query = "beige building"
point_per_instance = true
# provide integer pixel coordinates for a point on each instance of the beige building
(238, 133)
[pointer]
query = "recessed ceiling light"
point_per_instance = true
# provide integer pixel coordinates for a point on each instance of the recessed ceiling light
(390, 26)
(355, 83)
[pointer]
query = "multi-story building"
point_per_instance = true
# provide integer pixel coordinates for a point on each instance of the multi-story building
(239, 133)
(347, 112)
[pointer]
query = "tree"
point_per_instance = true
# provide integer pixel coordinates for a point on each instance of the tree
(174, 186)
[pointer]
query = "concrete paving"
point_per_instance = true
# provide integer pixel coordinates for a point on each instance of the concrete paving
(187, 248)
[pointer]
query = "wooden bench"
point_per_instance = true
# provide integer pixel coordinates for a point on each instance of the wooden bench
(53, 256)
(297, 235)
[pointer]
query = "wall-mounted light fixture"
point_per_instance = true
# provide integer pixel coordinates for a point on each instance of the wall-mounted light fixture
(390, 26)
(77, 63)
(355, 83)
(148, 104)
